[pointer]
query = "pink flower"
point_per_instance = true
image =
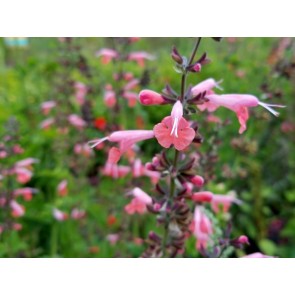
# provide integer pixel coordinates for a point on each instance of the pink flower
(126, 139)
(239, 103)
(47, 106)
(107, 55)
(17, 209)
(78, 214)
(222, 202)
(139, 57)
(62, 188)
(83, 149)
(197, 180)
(17, 149)
(23, 175)
(110, 98)
(131, 84)
(139, 202)
(76, 121)
(3, 154)
(47, 123)
(202, 197)
(26, 192)
(26, 163)
(202, 228)
(131, 97)
(149, 97)
(59, 215)
(257, 255)
(174, 130)
(113, 238)
(205, 86)
(80, 92)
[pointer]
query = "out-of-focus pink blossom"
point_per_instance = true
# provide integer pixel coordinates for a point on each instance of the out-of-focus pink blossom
(202, 228)
(140, 57)
(134, 39)
(17, 226)
(113, 238)
(59, 215)
(139, 202)
(131, 97)
(47, 123)
(26, 192)
(107, 55)
(62, 188)
(131, 84)
(149, 97)
(126, 139)
(109, 98)
(23, 175)
(239, 103)
(17, 209)
(83, 149)
(100, 123)
(2, 201)
(47, 106)
(213, 119)
(80, 92)
(78, 214)
(26, 163)
(257, 255)
(76, 121)
(17, 149)
(127, 76)
(223, 202)
(174, 130)
(288, 127)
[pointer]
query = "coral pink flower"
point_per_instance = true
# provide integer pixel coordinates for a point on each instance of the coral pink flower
(83, 149)
(26, 192)
(140, 56)
(131, 97)
(197, 180)
(80, 92)
(109, 98)
(47, 106)
(134, 39)
(239, 103)
(202, 196)
(131, 84)
(174, 130)
(128, 76)
(76, 121)
(222, 202)
(257, 255)
(62, 188)
(59, 215)
(3, 154)
(205, 86)
(26, 163)
(107, 55)
(139, 202)
(23, 175)
(202, 228)
(149, 97)
(113, 238)
(17, 209)
(126, 139)
(78, 214)
(17, 149)
(47, 123)
(17, 226)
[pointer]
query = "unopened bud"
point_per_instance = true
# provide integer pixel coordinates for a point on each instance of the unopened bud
(202, 196)
(197, 180)
(176, 56)
(149, 97)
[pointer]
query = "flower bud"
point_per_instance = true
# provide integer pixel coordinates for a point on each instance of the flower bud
(197, 180)
(149, 97)
(176, 56)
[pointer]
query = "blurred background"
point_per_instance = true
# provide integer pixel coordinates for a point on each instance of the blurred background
(58, 93)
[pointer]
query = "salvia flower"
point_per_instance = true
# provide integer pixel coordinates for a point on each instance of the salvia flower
(76, 121)
(107, 55)
(239, 103)
(175, 130)
(223, 202)
(140, 57)
(26, 192)
(59, 215)
(126, 139)
(46, 106)
(139, 202)
(149, 97)
(62, 188)
(17, 209)
(205, 86)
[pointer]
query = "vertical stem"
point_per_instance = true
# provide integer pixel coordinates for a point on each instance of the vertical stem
(173, 169)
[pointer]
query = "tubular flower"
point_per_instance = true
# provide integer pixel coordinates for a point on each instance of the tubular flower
(26, 192)
(107, 55)
(149, 97)
(140, 56)
(139, 202)
(205, 86)
(126, 139)
(239, 103)
(174, 130)
(223, 203)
